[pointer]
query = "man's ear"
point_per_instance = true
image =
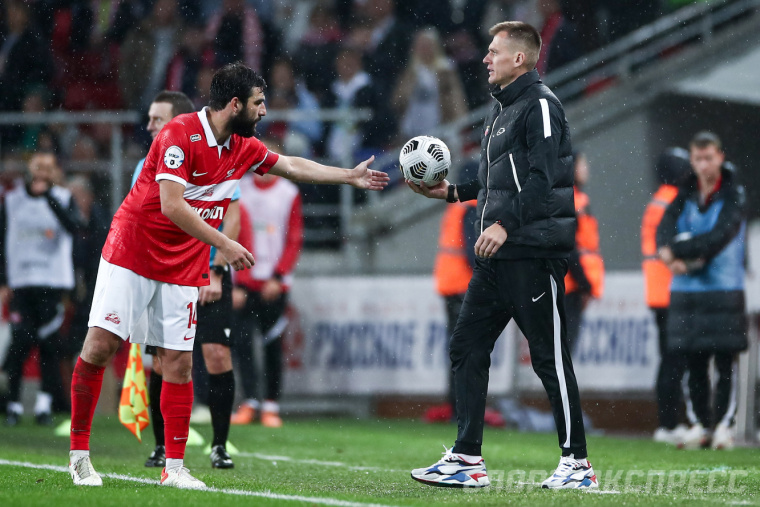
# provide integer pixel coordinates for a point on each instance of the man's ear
(236, 105)
(519, 59)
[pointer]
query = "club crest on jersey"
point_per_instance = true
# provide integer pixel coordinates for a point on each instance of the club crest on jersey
(195, 137)
(174, 157)
(209, 191)
(112, 317)
(229, 173)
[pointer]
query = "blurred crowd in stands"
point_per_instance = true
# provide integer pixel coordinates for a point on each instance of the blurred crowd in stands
(415, 63)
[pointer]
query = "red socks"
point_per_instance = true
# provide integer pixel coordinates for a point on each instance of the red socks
(85, 391)
(176, 406)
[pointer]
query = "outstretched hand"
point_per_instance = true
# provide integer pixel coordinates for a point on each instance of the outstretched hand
(368, 179)
(437, 191)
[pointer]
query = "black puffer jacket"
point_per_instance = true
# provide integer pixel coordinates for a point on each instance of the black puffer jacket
(525, 179)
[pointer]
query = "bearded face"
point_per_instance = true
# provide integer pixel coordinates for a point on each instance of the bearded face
(244, 124)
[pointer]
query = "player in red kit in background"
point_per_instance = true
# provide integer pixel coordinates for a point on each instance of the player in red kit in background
(156, 254)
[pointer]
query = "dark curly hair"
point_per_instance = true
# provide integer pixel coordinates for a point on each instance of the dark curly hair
(233, 80)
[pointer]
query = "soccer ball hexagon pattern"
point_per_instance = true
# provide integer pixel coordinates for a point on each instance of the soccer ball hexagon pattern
(425, 158)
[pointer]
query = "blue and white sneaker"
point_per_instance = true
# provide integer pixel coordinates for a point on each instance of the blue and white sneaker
(453, 472)
(572, 474)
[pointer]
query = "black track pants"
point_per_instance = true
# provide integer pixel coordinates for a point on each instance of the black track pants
(532, 292)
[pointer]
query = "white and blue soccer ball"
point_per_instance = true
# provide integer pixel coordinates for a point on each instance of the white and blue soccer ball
(425, 159)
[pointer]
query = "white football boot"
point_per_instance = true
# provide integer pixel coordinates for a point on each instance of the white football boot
(181, 479)
(82, 472)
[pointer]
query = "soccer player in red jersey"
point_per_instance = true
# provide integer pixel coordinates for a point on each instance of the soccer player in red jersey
(156, 257)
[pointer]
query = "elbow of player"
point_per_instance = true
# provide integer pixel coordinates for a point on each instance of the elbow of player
(169, 210)
(295, 172)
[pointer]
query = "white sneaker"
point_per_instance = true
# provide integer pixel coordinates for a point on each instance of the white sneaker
(82, 472)
(672, 437)
(454, 472)
(723, 437)
(572, 474)
(695, 437)
(181, 479)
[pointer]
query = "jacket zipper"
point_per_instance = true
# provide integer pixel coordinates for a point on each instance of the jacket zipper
(488, 166)
(514, 173)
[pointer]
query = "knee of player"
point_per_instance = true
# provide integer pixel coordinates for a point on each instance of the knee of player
(99, 346)
(544, 367)
(178, 374)
(217, 358)
(459, 352)
(177, 366)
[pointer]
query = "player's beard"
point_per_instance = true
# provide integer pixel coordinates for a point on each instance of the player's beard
(243, 125)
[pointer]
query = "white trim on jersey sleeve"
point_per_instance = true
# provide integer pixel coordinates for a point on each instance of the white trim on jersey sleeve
(171, 177)
(256, 166)
(211, 193)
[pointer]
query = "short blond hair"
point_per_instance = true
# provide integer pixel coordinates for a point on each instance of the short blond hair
(524, 35)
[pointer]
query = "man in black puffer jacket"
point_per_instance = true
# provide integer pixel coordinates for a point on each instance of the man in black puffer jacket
(526, 227)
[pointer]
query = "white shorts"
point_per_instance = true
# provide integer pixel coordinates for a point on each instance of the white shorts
(144, 310)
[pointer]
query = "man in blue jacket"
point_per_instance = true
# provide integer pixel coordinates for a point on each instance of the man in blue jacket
(701, 239)
(526, 227)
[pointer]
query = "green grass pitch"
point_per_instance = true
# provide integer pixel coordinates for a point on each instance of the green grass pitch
(347, 462)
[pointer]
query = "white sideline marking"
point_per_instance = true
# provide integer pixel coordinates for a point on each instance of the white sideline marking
(596, 491)
(267, 457)
(237, 492)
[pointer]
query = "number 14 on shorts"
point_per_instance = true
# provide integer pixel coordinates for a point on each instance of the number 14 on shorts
(192, 320)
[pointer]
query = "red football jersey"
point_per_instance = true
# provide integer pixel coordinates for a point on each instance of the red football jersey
(145, 241)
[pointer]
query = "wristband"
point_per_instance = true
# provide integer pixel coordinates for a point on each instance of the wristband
(450, 197)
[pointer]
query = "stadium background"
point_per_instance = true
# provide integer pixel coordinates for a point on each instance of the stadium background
(374, 344)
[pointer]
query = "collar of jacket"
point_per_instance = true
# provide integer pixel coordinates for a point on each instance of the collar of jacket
(509, 93)
(727, 179)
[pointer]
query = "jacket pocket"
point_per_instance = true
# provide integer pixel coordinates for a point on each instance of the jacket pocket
(498, 159)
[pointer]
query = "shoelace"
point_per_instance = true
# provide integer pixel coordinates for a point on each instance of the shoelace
(185, 472)
(82, 467)
(447, 455)
(566, 465)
